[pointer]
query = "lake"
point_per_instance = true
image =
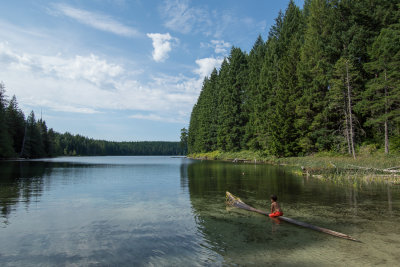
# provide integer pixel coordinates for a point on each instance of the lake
(164, 211)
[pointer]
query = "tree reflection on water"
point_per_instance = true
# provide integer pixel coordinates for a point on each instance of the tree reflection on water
(21, 182)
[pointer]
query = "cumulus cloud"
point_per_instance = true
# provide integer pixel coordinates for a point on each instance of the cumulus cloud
(91, 84)
(96, 20)
(206, 66)
(90, 68)
(162, 45)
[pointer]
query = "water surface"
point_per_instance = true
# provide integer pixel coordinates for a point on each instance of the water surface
(142, 211)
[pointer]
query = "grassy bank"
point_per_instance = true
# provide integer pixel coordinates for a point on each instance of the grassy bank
(371, 167)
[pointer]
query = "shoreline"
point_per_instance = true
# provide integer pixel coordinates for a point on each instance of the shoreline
(330, 167)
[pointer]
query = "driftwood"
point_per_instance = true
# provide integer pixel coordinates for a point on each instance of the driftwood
(236, 160)
(398, 167)
(237, 202)
(391, 170)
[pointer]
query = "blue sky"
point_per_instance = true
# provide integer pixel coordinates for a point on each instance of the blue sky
(117, 69)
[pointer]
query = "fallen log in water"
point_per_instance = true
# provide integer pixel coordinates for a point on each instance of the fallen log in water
(237, 202)
(391, 170)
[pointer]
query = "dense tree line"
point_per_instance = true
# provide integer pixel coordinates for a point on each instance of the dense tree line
(30, 138)
(68, 144)
(326, 79)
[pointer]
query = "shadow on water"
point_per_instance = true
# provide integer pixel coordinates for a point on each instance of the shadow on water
(23, 182)
(231, 231)
(242, 237)
(20, 182)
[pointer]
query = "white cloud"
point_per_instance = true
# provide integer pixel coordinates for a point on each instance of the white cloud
(156, 117)
(161, 45)
(182, 18)
(73, 109)
(82, 83)
(193, 17)
(90, 67)
(206, 66)
(97, 21)
(219, 46)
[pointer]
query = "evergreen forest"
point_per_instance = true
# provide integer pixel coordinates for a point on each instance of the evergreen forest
(31, 138)
(327, 78)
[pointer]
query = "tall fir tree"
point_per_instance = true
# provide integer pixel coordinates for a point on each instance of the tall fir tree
(184, 140)
(33, 143)
(317, 57)
(382, 97)
(251, 104)
(225, 107)
(282, 135)
(193, 130)
(213, 110)
(6, 149)
(44, 138)
(267, 85)
(16, 124)
(203, 118)
(206, 114)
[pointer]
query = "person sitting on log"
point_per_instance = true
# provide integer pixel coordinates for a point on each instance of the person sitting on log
(275, 208)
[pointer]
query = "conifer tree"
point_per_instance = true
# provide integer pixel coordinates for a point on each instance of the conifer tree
(32, 145)
(233, 83)
(184, 140)
(314, 70)
(6, 149)
(251, 103)
(15, 124)
(382, 97)
(213, 110)
(52, 145)
(44, 139)
(239, 80)
(193, 131)
(268, 77)
(203, 118)
(282, 135)
(294, 93)
(204, 121)
(225, 104)
(342, 99)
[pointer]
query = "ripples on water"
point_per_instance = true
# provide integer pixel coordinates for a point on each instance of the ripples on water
(146, 211)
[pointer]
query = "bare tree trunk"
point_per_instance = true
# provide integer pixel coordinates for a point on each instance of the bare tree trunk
(386, 121)
(346, 129)
(346, 121)
(350, 110)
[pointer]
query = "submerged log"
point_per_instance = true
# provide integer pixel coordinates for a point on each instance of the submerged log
(237, 202)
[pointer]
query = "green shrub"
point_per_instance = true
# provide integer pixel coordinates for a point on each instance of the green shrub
(368, 149)
(395, 144)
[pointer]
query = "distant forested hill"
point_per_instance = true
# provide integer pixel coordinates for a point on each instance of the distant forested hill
(326, 79)
(30, 138)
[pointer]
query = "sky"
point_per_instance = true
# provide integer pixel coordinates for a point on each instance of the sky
(121, 70)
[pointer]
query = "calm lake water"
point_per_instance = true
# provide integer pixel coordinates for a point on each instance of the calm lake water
(163, 211)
